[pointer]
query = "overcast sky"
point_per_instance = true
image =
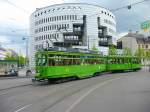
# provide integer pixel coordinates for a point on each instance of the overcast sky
(14, 17)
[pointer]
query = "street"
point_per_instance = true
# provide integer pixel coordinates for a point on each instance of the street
(117, 92)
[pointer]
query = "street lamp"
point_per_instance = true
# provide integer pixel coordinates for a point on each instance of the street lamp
(26, 50)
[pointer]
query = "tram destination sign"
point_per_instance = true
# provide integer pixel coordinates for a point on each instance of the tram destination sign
(145, 26)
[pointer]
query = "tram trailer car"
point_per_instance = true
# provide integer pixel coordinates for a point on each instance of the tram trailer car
(54, 64)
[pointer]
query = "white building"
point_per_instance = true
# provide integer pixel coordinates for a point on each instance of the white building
(77, 25)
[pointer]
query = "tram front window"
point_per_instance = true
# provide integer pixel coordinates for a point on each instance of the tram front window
(41, 61)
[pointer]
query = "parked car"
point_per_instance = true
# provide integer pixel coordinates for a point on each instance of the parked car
(12, 72)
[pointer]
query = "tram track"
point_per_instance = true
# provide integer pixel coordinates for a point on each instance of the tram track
(62, 94)
(15, 87)
(11, 83)
(5, 78)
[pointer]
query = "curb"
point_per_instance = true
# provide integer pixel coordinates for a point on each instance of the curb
(9, 77)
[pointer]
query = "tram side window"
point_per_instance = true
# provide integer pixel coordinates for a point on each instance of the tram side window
(112, 61)
(135, 61)
(64, 62)
(129, 61)
(51, 62)
(93, 61)
(55, 62)
(121, 61)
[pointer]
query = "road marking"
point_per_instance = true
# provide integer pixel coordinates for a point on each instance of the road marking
(3, 93)
(87, 93)
(22, 108)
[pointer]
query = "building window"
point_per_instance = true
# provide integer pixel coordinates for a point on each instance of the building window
(75, 17)
(46, 28)
(68, 7)
(52, 27)
(146, 46)
(57, 18)
(139, 46)
(67, 17)
(46, 36)
(57, 35)
(70, 17)
(67, 26)
(142, 46)
(57, 27)
(79, 7)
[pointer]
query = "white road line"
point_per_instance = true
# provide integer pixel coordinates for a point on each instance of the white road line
(22, 108)
(87, 93)
(3, 93)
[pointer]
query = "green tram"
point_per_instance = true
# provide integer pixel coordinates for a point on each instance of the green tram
(58, 63)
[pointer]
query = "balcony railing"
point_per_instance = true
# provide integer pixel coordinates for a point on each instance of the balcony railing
(103, 43)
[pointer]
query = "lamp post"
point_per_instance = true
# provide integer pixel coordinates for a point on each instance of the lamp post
(26, 50)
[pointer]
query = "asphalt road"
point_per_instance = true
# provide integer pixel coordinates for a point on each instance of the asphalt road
(12, 82)
(121, 92)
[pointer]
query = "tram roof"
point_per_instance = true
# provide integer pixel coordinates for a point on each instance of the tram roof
(69, 50)
(80, 51)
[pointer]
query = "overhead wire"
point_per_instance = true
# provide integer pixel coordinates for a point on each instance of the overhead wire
(16, 6)
(113, 10)
(129, 6)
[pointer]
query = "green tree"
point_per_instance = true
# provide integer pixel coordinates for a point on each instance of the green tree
(10, 57)
(21, 59)
(140, 53)
(94, 48)
(127, 52)
(147, 54)
(112, 50)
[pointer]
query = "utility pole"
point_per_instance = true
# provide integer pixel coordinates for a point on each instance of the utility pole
(26, 50)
